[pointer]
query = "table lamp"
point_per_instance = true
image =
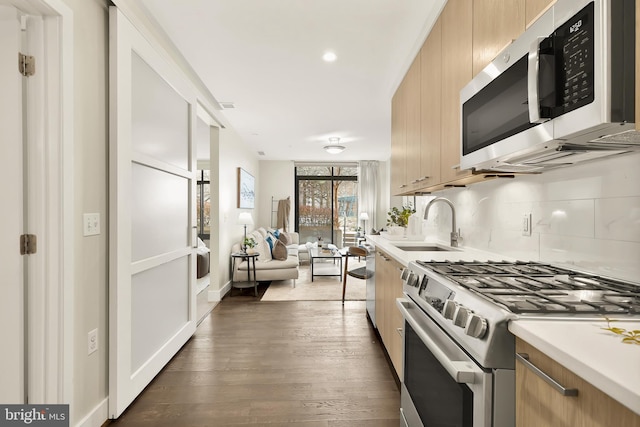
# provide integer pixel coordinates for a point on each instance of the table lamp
(245, 219)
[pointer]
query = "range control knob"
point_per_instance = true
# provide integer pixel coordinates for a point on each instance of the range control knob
(412, 280)
(405, 274)
(449, 309)
(476, 327)
(460, 316)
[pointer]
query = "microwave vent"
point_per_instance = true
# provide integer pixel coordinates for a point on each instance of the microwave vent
(542, 158)
(507, 167)
(628, 138)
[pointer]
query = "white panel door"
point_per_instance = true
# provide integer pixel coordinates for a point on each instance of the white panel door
(12, 358)
(152, 213)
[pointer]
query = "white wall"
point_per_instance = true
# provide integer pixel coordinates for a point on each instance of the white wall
(231, 154)
(585, 215)
(90, 381)
(277, 180)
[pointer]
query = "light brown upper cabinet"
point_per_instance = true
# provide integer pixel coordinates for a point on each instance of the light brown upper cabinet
(430, 107)
(456, 22)
(535, 8)
(412, 105)
(398, 142)
(496, 23)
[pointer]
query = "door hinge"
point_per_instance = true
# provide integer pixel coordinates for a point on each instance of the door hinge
(26, 64)
(28, 244)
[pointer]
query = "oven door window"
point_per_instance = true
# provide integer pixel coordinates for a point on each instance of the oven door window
(439, 400)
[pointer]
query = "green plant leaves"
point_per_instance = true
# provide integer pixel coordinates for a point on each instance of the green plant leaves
(628, 337)
(400, 217)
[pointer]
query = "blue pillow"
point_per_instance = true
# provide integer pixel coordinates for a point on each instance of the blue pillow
(271, 241)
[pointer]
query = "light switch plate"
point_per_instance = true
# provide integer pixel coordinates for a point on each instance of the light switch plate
(91, 223)
(92, 341)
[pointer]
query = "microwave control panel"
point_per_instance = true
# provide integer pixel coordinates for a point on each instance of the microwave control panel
(574, 50)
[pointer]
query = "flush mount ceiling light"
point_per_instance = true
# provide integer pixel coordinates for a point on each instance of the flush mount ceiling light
(334, 146)
(329, 56)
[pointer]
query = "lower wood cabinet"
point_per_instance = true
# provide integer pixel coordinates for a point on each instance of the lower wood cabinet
(388, 318)
(538, 404)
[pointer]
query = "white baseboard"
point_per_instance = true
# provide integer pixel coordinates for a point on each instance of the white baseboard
(97, 417)
(217, 294)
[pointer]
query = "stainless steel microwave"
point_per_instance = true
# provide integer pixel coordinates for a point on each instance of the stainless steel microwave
(562, 93)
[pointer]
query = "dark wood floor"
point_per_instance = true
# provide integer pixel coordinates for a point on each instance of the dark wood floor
(311, 364)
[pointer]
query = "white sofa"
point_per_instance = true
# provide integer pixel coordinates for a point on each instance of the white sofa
(268, 269)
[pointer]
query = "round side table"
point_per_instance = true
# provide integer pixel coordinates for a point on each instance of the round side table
(250, 258)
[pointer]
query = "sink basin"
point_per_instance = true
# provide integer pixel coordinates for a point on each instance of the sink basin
(430, 248)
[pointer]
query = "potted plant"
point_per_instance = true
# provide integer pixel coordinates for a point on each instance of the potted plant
(249, 244)
(398, 219)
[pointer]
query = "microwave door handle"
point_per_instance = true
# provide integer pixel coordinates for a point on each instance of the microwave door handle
(461, 371)
(533, 90)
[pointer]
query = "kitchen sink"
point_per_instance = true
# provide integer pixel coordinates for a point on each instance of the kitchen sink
(424, 248)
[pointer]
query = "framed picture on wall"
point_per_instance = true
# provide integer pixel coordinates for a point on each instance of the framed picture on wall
(246, 190)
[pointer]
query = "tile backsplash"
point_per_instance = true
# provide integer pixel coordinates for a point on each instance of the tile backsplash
(586, 215)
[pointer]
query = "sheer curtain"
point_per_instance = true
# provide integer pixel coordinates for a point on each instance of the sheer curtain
(368, 191)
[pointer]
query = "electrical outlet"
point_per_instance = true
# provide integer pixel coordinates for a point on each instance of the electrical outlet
(93, 341)
(91, 223)
(526, 225)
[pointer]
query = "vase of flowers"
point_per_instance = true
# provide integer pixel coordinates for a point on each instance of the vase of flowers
(249, 245)
(398, 219)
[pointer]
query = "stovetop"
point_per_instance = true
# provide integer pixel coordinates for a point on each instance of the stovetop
(539, 288)
(473, 302)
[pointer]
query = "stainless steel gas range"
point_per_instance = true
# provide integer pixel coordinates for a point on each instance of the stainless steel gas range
(459, 357)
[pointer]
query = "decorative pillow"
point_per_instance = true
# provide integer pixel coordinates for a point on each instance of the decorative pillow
(271, 240)
(285, 238)
(262, 247)
(280, 252)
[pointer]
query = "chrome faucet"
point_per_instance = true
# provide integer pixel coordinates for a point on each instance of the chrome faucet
(455, 236)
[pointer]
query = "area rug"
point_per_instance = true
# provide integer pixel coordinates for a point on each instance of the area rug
(321, 289)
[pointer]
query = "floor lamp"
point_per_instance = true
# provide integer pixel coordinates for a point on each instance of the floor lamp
(364, 217)
(245, 219)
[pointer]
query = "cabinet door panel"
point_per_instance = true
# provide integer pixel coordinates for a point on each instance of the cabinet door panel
(495, 24)
(538, 404)
(535, 8)
(430, 107)
(398, 142)
(396, 321)
(412, 100)
(456, 73)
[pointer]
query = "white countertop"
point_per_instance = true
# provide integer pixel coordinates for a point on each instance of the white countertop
(596, 355)
(403, 257)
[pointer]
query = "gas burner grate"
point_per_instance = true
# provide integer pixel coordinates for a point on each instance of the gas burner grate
(530, 287)
(466, 268)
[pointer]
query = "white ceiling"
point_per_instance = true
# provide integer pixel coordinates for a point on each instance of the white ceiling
(265, 56)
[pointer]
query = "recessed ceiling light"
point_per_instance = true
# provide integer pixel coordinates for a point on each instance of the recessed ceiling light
(329, 56)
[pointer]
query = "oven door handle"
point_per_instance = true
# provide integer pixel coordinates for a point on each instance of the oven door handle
(461, 371)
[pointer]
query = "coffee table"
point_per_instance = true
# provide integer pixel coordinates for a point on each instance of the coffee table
(323, 262)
